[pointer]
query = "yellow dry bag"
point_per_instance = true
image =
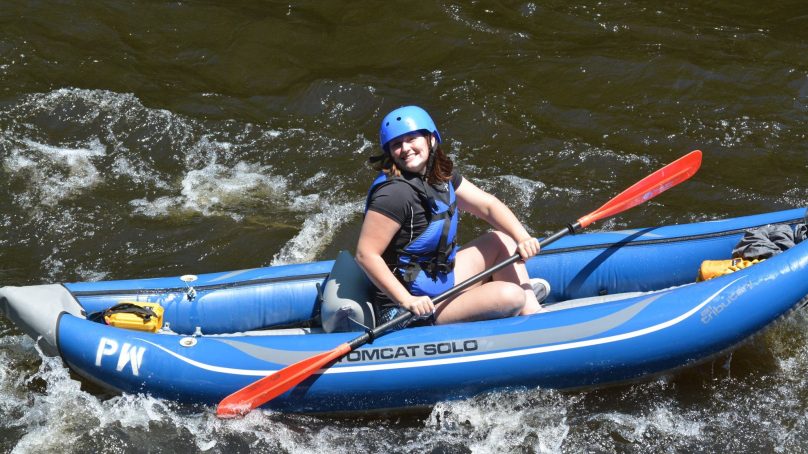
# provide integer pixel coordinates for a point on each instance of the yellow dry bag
(135, 315)
(714, 268)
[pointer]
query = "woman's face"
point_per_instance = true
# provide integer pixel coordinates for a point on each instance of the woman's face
(410, 152)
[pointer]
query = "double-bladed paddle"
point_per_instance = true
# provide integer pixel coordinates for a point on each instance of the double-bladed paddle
(262, 391)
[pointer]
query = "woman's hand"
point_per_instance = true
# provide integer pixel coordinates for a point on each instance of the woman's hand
(420, 306)
(528, 247)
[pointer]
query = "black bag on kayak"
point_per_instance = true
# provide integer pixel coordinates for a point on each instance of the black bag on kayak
(769, 240)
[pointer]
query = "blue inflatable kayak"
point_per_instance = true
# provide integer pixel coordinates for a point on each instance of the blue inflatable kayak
(624, 306)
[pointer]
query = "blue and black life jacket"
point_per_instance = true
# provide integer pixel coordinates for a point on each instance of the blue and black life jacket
(426, 264)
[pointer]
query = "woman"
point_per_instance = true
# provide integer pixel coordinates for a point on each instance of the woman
(407, 242)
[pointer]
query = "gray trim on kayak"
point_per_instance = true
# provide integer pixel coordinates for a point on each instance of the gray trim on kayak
(36, 309)
(498, 342)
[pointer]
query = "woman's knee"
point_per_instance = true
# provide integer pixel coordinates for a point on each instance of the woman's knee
(512, 297)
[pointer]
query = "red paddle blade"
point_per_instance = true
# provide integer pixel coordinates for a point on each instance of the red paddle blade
(262, 391)
(648, 188)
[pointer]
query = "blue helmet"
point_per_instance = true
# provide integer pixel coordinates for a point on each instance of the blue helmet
(405, 120)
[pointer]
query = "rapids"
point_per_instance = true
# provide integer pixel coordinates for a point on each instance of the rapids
(148, 139)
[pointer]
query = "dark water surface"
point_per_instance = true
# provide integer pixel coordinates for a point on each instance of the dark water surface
(148, 138)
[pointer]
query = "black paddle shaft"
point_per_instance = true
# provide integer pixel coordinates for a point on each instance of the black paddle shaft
(406, 316)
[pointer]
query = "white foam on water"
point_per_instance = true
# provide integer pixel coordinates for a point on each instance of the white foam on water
(214, 187)
(661, 420)
(306, 203)
(11, 398)
(456, 13)
(739, 130)
(796, 196)
(62, 416)
(90, 275)
(268, 431)
(219, 178)
(532, 421)
(40, 417)
(118, 114)
(59, 417)
(139, 172)
(516, 192)
(52, 265)
(315, 179)
(272, 134)
(734, 132)
(597, 153)
(55, 173)
(218, 190)
(159, 207)
(364, 146)
(563, 193)
(316, 233)
(120, 121)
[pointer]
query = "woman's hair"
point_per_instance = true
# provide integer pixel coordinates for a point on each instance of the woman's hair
(441, 165)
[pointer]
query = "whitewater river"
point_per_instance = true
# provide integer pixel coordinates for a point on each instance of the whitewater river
(144, 139)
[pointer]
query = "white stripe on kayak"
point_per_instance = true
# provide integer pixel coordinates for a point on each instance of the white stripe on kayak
(223, 370)
(463, 359)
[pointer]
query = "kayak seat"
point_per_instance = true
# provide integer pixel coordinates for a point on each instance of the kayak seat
(347, 297)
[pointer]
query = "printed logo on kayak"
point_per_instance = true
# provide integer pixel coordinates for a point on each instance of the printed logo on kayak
(714, 310)
(127, 354)
(364, 355)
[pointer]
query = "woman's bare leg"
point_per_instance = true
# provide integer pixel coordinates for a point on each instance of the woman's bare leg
(508, 293)
(488, 301)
